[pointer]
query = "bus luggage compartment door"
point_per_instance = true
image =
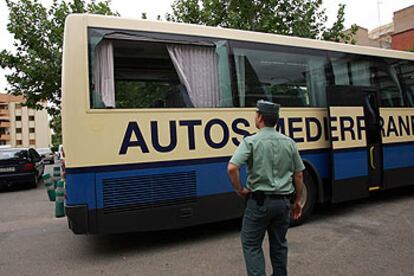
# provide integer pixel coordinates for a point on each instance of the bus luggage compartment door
(356, 146)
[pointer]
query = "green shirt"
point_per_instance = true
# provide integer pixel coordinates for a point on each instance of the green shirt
(271, 159)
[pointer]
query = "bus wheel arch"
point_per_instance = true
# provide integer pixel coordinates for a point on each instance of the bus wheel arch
(313, 192)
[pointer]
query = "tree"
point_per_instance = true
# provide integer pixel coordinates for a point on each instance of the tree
(36, 59)
(303, 18)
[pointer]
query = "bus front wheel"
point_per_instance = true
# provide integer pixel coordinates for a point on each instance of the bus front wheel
(308, 199)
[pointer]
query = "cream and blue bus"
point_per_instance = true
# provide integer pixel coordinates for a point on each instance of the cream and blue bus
(152, 112)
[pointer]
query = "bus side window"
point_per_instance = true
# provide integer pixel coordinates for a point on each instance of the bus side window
(157, 74)
(290, 79)
(406, 76)
(388, 84)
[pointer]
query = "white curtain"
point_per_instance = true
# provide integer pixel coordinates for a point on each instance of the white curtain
(197, 68)
(104, 73)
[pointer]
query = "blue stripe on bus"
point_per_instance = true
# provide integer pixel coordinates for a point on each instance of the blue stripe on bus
(211, 178)
(350, 163)
(80, 189)
(320, 160)
(398, 156)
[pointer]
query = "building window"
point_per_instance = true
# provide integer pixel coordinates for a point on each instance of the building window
(31, 118)
(32, 130)
(18, 118)
(19, 142)
(18, 130)
(32, 142)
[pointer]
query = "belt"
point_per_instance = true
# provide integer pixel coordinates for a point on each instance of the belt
(261, 194)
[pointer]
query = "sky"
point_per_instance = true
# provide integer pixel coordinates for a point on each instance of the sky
(364, 13)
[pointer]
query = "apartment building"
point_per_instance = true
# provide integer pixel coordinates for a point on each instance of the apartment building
(397, 35)
(403, 36)
(21, 126)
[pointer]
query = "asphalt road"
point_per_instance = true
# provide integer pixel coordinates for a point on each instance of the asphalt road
(366, 237)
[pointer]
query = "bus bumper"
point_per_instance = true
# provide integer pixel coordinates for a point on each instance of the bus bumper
(78, 218)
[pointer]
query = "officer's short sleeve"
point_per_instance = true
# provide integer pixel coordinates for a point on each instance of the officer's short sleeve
(242, 154)
(298, 165)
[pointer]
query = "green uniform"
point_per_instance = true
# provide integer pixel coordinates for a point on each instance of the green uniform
(271, 159)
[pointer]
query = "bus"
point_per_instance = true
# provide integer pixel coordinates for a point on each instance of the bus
(152, 112)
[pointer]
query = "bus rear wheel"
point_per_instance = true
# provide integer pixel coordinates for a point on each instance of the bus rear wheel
(308, 199)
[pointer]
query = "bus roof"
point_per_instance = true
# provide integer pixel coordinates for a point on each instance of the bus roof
(113, 22)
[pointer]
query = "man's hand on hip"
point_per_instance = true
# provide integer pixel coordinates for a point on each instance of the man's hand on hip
(244, 193)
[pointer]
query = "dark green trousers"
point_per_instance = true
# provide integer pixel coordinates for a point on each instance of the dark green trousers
(272, 217)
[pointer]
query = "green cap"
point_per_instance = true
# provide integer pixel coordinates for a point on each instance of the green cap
(266, 107)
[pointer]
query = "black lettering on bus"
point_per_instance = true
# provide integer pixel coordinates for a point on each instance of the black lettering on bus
(381, 121)
(347, 128)
(239, 131)
(281, 126)
(412, 123)
(333, 128)
(293, 130)
(391, 127)
(317, 125)
(190, 124)
(360, 124)
(404, 125)
(207, 133)
(133, 128)
(155, 138)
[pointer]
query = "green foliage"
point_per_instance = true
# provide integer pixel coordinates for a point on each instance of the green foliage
(302, 18)
(36, 61)
(139, 94)
(56, 124)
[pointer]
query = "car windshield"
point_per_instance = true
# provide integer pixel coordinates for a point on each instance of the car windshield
(13, 154)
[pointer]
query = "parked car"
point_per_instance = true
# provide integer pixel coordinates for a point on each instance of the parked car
(47, 155)
(20, 166)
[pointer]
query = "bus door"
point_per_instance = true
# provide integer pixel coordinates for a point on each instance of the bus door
(356, 141)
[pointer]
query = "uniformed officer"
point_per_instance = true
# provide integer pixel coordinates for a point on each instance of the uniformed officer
(273, 165)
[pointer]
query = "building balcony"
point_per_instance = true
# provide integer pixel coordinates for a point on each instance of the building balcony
(5, 137)
(4, 113)
(5, 124)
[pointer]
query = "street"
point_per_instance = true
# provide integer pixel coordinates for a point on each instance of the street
(366, 237)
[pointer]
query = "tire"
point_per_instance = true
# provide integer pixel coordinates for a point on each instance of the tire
(308, 199)
(35, 182)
